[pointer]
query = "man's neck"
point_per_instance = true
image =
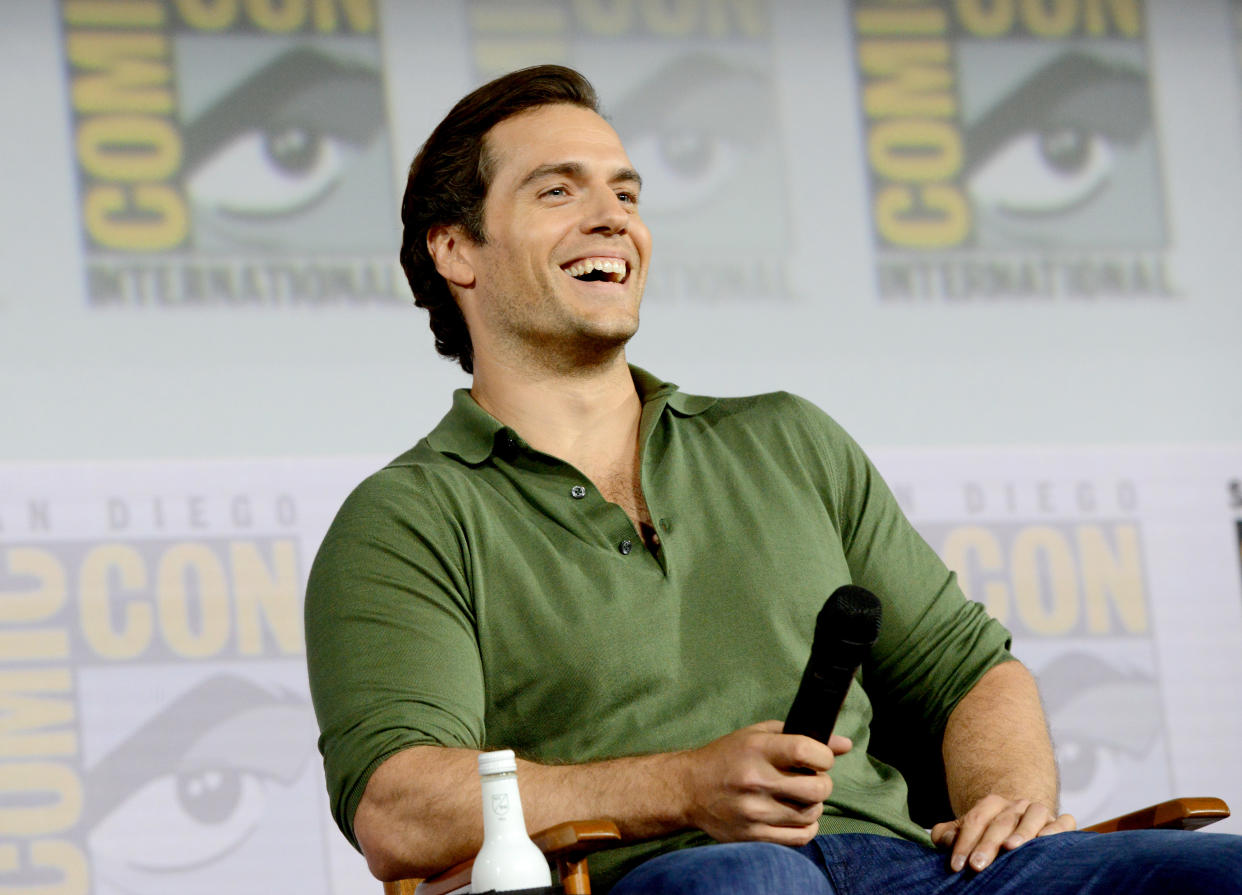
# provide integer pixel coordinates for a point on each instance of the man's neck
(588, 418)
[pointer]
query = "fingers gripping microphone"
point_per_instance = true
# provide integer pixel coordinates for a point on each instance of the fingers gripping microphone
(845, 631)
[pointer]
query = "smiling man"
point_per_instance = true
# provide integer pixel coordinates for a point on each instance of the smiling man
(620, 582)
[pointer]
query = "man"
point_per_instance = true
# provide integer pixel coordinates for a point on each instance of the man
(620, 582)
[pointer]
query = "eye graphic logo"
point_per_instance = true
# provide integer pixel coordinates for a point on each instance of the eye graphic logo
(1108, 726)
(277, 162)
(1011, 150)
(231, 153)
(197, 797)
(1066, 156)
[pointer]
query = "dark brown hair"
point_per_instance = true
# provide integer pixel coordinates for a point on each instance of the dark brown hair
(448, 184)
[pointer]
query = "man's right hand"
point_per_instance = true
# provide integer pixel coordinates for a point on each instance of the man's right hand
(753, 784)
(420, 811)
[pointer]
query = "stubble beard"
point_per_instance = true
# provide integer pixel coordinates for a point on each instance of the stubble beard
(549, 336)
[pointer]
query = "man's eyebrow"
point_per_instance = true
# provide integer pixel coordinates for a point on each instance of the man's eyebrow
(628, 175)
(577, 170)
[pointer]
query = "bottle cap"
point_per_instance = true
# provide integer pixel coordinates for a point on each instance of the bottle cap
(499, 762)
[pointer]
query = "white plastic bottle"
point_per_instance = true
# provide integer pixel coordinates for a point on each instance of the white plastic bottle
(508, 859)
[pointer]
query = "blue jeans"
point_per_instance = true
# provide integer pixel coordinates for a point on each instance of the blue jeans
(1145, 862)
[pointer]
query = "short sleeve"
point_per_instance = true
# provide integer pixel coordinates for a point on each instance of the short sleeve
(934, 644)
(391, 646)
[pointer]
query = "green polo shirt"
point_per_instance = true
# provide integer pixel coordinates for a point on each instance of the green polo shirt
(476, 592)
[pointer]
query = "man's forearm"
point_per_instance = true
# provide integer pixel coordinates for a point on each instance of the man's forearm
(407, 831)
(421, 809)
(996, 742)
(1000, 769)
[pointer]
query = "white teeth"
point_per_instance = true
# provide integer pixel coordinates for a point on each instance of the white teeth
(614, 266)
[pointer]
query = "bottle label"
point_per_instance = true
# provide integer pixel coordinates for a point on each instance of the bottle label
(500, 805)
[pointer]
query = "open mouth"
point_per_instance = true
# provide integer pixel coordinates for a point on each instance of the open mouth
(599, 270)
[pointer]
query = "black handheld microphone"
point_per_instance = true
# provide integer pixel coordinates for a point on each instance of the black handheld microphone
(845, 631)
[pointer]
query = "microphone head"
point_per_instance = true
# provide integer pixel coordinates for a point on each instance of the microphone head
(851, 615)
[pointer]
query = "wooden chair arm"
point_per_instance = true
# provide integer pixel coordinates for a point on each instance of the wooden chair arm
(401, 886)
(1175, 814)
(569, 843)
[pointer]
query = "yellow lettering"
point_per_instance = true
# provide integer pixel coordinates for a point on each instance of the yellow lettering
(21, 715)
(873, 22)
(972, 551)
(1042, 557)
(359, 13)
(917, 79)
(54, 854)
(180, 564)
(1050, 18)
(52, 798)
(266, 592)
(41, 601)
(277, 15)
(114, 13)
(930, 216)
(45, 598)
(143, 218)
(129, 80)
(1125, 15)
(33, 645)
(208, 15)
(914, 150)
(1115, 576)
(102, 566)
(129, 147)
(986, 18)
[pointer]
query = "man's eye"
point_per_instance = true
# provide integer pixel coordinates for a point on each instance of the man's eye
(556, 192)
(628, 197)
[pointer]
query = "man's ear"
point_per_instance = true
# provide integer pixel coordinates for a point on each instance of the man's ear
(448, 245)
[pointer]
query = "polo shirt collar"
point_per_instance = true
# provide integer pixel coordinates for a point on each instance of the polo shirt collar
(471, 434)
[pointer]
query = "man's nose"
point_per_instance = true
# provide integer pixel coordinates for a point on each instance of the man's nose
(606, 213)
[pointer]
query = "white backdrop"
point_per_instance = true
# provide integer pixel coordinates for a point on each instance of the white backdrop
(997, 239)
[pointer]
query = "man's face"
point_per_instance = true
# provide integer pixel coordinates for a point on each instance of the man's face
(561, 275)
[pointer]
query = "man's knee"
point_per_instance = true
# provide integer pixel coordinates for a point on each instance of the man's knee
(736, 868)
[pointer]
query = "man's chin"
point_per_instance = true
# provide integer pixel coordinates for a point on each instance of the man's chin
(591, 348)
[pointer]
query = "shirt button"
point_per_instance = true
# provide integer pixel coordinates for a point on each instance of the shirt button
(665, 525)
(577, 492)
(625, 547)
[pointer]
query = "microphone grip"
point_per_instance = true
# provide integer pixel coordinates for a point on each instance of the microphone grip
(845, 630)
(819, 699)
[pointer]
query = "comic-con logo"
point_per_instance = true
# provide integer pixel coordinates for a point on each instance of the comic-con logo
(1010, 149)
(1074, 595)
(664, 72)
(222, 145)
(153, 734)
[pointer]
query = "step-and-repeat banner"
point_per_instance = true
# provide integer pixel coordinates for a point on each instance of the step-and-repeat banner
(948, 222)
(157, 733)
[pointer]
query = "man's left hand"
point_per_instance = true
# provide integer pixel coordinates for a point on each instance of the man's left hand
(994, 824)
